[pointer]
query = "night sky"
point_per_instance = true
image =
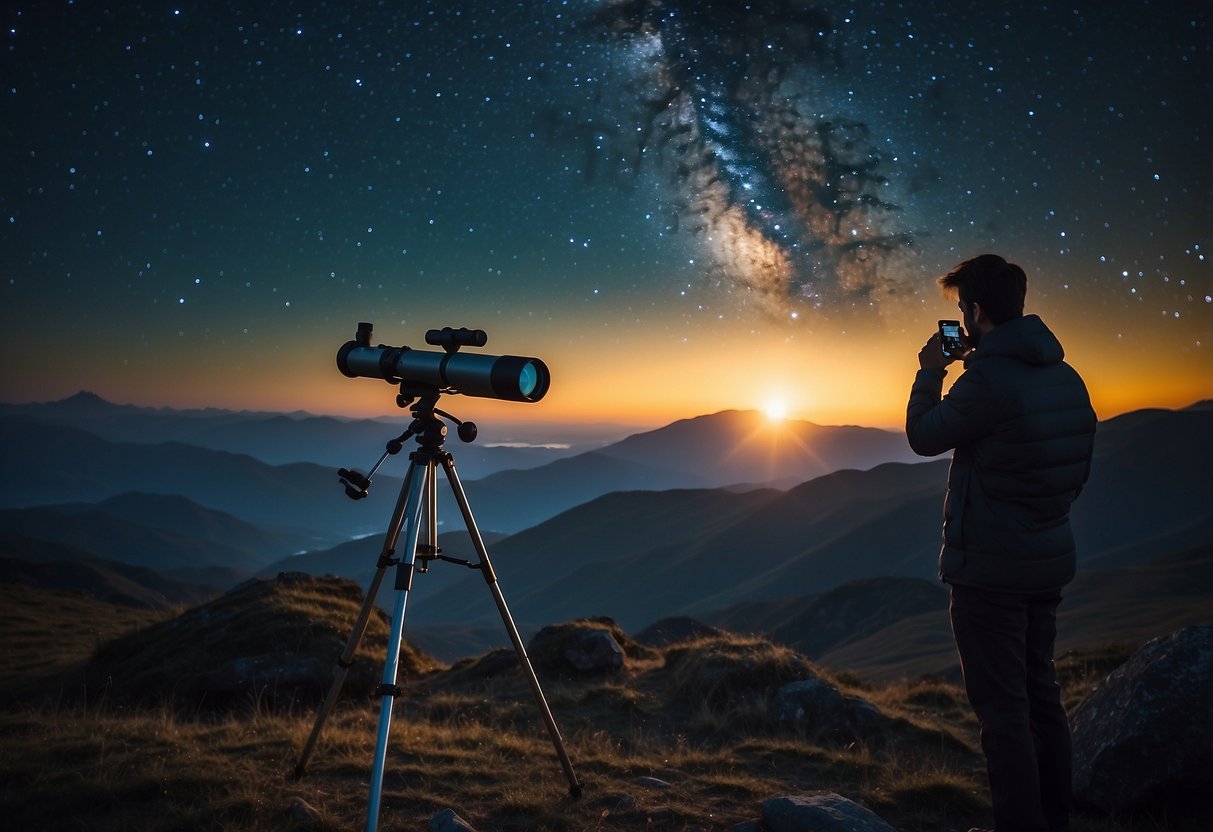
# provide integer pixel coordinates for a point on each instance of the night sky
(682, 207)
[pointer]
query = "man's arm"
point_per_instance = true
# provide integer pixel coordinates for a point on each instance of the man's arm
(934, 424)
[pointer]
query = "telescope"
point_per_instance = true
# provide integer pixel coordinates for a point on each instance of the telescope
(513, 378)
(426, 375)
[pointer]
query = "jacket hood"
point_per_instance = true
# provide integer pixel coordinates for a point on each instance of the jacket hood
(1026, 338)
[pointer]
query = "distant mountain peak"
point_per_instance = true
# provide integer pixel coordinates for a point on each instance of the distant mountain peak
(747, 416)
(86, 398)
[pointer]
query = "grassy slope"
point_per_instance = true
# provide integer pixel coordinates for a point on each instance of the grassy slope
(469, 738)
(47, 636)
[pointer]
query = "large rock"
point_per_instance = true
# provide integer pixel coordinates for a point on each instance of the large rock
(583, 647)
(819, 812)
(1145, 735)
(594, 651)
(816, 707)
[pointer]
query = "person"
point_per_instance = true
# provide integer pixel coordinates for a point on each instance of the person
(1021, 429)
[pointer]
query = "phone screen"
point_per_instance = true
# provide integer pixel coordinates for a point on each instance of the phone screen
(953, 341)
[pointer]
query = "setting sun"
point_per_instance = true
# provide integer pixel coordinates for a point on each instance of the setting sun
(776, 410)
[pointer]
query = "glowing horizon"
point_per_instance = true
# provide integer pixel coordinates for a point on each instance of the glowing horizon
(648, 383)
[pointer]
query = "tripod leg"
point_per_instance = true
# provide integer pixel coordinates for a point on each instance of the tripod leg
(491, 578)
(346, 659)
(418, 475)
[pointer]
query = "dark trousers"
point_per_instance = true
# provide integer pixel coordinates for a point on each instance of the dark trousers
(1005, 641)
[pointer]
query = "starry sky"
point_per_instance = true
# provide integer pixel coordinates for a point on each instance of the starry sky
(681, 206)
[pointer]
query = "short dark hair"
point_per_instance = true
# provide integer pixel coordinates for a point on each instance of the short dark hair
(1000, 287)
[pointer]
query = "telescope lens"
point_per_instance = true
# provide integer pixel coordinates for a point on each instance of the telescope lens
(528, 379)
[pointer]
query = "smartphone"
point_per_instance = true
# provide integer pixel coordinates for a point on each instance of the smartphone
(951, 338)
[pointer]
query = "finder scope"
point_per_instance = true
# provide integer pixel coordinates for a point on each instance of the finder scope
(514, 378)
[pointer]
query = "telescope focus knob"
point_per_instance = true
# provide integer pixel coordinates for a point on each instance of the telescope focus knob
(467, 431)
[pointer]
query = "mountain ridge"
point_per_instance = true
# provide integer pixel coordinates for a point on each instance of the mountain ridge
(639, 556)
(154, 530)
(273, 438)
(76, 464)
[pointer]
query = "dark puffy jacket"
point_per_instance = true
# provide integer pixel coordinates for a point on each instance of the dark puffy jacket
(1021, 423)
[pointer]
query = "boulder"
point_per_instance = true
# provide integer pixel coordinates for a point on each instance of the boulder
(594, 651)
(587, 646)
(819, 812)
(1144, 737)
(817, 707)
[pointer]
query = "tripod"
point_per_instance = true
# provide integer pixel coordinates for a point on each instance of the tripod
(419, 491)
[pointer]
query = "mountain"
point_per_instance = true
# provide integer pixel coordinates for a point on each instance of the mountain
(724, 449)
(643, 556)
(1150, 489)
(52, 464)
(108, 581)
(903, 621)
(1126, 605)
(448, 594)
(591, 557)
(156, 530)
(835, 528)
(640, 556)
(735, 446)
(358, 560)
(516, 500)
(272, 438)
(819, 624)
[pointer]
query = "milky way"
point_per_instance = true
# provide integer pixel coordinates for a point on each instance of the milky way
(790, 200)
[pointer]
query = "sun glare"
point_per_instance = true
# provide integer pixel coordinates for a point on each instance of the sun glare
(776, 411)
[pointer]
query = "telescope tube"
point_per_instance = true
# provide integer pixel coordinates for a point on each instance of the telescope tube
(514, 378)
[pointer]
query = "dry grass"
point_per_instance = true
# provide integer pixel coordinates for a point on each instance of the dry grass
(695, 719)
(1080, 672)
(48, 636)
